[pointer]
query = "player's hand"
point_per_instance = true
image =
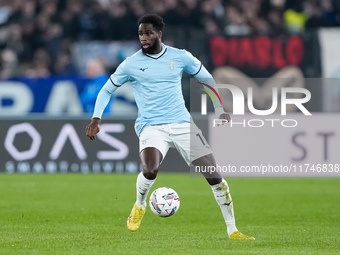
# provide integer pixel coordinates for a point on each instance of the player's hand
(222, 116)
(93, 128)
(225, 118)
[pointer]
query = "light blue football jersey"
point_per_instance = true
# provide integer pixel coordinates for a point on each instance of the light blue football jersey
(156, 83)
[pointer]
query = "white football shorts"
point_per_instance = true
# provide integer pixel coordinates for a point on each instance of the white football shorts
(187, 138)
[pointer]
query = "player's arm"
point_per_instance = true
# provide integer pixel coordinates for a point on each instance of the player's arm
(209, 85)
(119, 77)
(194, 67)
(102, 101)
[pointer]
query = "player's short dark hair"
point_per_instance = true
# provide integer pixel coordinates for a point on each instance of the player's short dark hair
(154, 19)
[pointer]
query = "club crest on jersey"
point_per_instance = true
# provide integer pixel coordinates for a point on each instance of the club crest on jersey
(171, 65)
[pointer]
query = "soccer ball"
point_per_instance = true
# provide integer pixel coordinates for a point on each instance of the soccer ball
(164, 202)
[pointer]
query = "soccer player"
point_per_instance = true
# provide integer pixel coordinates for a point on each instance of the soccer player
(155, 73)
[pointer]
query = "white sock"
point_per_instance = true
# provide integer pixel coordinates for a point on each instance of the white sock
(143, 187)
(223, 198)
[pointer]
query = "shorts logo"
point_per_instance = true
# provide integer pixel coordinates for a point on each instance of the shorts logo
(143, 142)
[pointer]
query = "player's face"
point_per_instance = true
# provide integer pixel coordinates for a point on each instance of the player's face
(150, 38)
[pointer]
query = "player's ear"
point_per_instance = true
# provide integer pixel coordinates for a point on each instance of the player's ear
(160, 34)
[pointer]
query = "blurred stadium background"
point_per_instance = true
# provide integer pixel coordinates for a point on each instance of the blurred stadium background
(56, 55)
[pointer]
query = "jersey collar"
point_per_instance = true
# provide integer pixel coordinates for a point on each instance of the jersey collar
(158, 55)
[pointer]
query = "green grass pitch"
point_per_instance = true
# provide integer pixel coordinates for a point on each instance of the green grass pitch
(86, 214)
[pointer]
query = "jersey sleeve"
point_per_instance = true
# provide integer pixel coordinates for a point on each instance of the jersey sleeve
(121, 75)
(191, 64)
(206, 79)
(117, 79)
(103, 98)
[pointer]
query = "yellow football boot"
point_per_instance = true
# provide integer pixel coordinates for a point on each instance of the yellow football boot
(237, 235)
(135, 218)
